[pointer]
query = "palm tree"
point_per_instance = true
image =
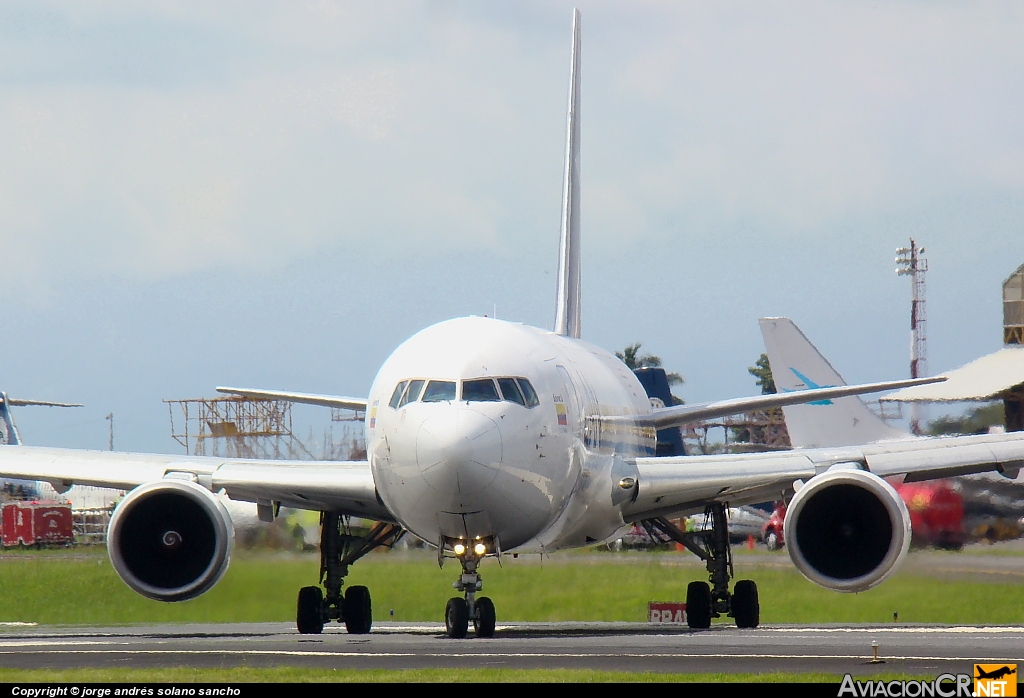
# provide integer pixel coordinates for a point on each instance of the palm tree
(631, 357)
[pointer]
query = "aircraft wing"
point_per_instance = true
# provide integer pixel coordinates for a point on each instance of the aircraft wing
(15, 402)
(345, 487)
(678, 415)
(345, 403)
(685, 484)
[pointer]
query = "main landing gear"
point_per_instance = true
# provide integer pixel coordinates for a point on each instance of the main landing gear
(460, 611)
(339, 548)
(706, 601)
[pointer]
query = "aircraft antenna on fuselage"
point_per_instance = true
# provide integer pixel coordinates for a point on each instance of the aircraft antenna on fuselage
(567, 312)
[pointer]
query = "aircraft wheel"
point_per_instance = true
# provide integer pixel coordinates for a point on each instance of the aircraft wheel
(745, 609)
(483, 624)
(698, 605)
(308, 616)
(358, 612)
(456, 618)
(772, 541)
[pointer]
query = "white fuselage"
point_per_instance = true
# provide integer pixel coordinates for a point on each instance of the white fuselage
(536, 477)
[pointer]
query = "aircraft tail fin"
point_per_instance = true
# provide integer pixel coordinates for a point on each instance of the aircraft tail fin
(567, 311)
(798, 365)
(8, 431)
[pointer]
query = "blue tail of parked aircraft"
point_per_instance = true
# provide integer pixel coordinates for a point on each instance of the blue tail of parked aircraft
(8, 432)
(655, 383)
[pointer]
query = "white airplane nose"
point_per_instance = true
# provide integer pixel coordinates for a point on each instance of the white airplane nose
(459, 450)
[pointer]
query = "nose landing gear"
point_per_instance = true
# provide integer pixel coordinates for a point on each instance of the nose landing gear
(339, 548)
(460, 611)
(705, 601)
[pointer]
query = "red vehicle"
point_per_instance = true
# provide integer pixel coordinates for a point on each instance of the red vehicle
(36, 523)
(771, 533)
(936, 513)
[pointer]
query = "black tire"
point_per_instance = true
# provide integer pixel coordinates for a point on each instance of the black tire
(309, 615)
(746, 610)
(485, 619)
(456, 618)
(357, 611)
(698, 605)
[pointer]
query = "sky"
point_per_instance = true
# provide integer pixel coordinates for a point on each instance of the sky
(278, 194)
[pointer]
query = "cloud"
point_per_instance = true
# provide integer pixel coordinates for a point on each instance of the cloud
(156, 141)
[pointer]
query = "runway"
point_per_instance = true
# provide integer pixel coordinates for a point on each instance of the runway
(927, 650)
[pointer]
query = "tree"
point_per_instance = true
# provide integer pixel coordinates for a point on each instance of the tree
(975, 421)
(632, 357)
(762, 371)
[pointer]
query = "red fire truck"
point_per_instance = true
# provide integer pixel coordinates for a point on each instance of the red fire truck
(36, 523)
(936, 515)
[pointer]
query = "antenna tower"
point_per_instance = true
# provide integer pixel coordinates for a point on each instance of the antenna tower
(910, 262)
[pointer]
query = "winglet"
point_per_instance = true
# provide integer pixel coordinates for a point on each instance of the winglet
(567, 311)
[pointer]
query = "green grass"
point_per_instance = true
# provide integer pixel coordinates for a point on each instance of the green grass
(81, 588)
(451, 676)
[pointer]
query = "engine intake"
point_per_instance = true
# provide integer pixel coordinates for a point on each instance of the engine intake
(170, 540)
(847, 530)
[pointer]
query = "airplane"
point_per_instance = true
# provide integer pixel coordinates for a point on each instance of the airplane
(995, 673)
(486, 437)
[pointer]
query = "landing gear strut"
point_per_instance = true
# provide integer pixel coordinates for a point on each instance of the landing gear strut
(460, 611)
(705, 601)
(339, 548)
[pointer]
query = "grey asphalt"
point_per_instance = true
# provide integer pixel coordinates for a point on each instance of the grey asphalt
(926, 650)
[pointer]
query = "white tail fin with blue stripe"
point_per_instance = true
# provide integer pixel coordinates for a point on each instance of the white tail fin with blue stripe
(798, 365)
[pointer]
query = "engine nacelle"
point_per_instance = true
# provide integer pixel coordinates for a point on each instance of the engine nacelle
(847, 530)
(170, 540)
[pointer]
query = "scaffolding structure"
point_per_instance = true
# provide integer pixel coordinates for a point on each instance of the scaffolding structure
(909, 262)
(236, 427)
(242, 427)
(1013, 307)
(762, 430)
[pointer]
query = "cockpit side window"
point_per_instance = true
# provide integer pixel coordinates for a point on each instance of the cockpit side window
(480, 390)
(397, 395)
(412, 394)
(439, 391)
(510, 391)
(528, 392)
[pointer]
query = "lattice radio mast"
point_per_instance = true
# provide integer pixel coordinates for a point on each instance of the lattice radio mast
(910, 262)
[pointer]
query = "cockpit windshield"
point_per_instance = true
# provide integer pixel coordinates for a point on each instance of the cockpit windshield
(439, 391)
(397, 395)
(480, 390)
(517, 390)
(412, 394)
(510, 391)
(528, 392)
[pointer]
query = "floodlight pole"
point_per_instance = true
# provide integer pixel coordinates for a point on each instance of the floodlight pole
(910, 262)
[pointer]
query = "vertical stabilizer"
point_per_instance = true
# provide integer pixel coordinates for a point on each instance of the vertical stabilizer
(567, 312)
(797, 365)
(8, 432)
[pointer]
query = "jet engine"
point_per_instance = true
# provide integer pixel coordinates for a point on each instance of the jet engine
(170, 540)
(847, 529)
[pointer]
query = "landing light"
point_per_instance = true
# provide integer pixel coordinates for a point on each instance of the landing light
(479, 548)
(459, 548)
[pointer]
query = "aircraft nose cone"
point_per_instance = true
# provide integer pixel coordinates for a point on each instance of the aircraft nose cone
(459, 451)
